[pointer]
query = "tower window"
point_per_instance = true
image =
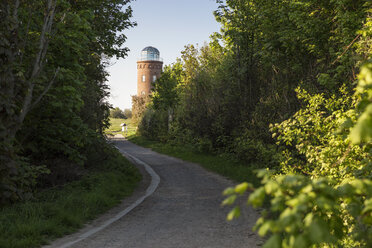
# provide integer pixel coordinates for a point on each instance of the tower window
(143, 93)
(154, 78)
(143, 78)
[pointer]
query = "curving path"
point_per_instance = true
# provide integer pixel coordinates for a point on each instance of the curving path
(182, 211)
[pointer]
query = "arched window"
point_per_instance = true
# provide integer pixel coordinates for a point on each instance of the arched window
(153, 78)
(143, 93)
(143, 78)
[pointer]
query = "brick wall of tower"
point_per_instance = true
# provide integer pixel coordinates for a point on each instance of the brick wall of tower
(148, 69)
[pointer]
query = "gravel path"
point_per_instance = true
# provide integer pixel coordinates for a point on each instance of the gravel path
(184, 211)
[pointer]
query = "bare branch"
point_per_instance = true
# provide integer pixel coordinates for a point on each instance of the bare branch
(51, 82)
(26, 38)
(40, 58)
(44, 41)
(15, 11)
(13, 53)
(347, 48)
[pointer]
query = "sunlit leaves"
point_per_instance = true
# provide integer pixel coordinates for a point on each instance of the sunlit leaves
(305, 212)
(229, 200)
(362, 131)
(242, 188)
(235, 213)
(319, 211)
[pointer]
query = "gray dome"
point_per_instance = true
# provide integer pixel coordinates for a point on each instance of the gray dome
(150, 53)
(151, 50)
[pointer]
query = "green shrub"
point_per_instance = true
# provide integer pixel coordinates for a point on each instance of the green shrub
(255, 151)
(154, 124)
(330, 204)
(117, 113)
(310, 213)
(316, 137)
(203, 145)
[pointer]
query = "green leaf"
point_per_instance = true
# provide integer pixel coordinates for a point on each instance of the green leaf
(265, 228)
(362, 131)
(273, 242)
(229, 191)
(262, 173)
(300, 242)
(229, 200)
(257, 197)
(271, 187)
(241, 188)
(234, 213)
(319, 231)
(367, 212)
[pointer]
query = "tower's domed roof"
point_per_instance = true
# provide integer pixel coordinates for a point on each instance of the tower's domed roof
(151, 49)
(150, 53)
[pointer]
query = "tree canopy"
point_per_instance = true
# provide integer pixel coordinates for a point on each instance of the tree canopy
(276, 88)
(53, 100)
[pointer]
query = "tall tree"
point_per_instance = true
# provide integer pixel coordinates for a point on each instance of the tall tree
(53, 58)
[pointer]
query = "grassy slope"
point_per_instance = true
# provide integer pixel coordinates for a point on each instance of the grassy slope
(237, 171)
(57, 212)
(116, 128)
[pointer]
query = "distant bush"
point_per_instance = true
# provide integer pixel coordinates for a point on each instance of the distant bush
(127, 113)
(117, 113)
(139, 104)
(154, 124)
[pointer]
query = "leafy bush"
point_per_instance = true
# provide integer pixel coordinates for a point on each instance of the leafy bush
(332, 206)
(127, 113)
(204, 145)
(255, 151)
(117, 113)
(305, 212)
(153, 124)
(316, 137)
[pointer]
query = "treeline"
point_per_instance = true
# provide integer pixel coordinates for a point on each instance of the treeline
(53, 108)
(118, 113)
(277, 88)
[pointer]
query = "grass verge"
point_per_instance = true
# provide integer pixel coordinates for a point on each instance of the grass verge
(56, 212)
(115, 127)
(221, 164)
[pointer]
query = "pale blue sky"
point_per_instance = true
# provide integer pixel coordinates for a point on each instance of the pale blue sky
(168, 25)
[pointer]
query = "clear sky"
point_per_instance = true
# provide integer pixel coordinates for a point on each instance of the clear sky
(168, 25)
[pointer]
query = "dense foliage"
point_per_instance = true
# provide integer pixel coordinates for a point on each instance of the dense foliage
(277, 88)
(58, 211)
(328, 202)
(53, 109)
(117, 113)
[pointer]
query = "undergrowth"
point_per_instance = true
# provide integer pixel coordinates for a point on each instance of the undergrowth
(62, 210)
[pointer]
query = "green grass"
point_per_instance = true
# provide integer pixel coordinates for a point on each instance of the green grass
(116, 128)
(223, 165)
(57, 212)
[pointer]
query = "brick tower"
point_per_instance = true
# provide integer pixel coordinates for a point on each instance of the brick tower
(149, 68)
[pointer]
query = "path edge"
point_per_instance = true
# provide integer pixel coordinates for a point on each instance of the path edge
(155, 180)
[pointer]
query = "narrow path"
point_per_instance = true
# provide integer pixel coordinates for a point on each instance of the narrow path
(184, 210)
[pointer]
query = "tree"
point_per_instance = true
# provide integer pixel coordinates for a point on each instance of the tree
(128, 113)
(24, 79)
(117, 113)
(139, 104)
(53, 83)
(275, 88)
